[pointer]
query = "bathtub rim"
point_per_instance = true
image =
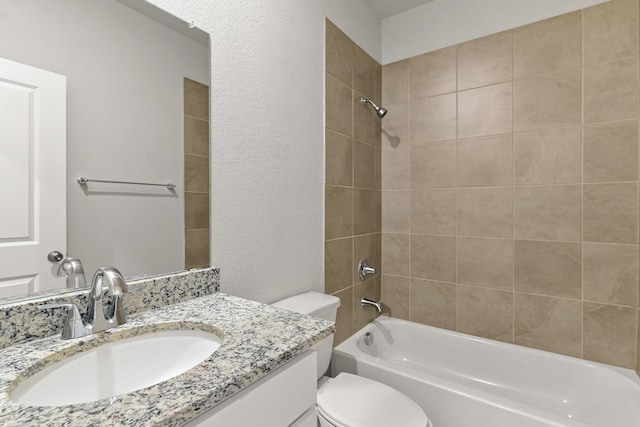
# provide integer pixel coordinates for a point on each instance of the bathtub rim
(628, 373)
(348, 349)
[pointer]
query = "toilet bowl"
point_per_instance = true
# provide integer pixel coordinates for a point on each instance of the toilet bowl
(350, 400)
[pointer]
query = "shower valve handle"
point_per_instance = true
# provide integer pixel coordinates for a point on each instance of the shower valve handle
(364, 269)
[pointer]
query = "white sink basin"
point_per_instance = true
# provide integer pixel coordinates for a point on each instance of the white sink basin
(116, 367)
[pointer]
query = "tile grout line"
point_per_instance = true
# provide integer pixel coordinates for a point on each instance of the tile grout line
(409, 111)
(513, 187)
(457, 278)
(582, 184)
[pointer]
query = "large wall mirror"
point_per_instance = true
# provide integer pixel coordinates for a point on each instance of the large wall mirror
(128, 66)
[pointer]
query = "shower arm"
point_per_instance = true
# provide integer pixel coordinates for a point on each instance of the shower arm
(380, 111)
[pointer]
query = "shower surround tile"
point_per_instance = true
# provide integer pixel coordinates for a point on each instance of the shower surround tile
(548, 268)
(339, 99)
(547, 212)
(485, 61)
(548, 156)
(396, 293)
(611, 91)
(610, 273)
(562, 106)
(363, 166)
(485, 212)
(338, 212)
(433, 73)
(433, 165)
(340, 54)
(611, 213)
(611, 152)
(339, 159)
(338, 261)
(485, 262)
(433, 119)
(539, 141)
(550, 324)
(433, 211)
(395, 126)
(486, 161)
(548, 46)
(475, 119)
(396, 254)
(396, 82)
(433, 303)
(486, 313)
(433, 257)
(356, 170)
(609, 334)
(610, 31)
(396, 172)
(396, 211)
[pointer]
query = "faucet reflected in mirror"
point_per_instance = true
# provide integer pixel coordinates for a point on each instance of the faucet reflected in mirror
(71, 268)
(131, 222)
(95, 320)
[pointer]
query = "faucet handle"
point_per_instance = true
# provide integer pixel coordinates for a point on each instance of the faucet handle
(74, 313)
(73, 325)
(364, 269)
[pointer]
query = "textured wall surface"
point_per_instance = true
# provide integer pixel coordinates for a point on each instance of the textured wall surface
(267, 152)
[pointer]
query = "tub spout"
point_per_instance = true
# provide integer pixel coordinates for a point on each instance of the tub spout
(366, 302)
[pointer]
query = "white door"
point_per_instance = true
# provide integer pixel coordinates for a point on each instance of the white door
(32, 176)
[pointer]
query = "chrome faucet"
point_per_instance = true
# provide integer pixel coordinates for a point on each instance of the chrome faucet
(366, 302)
(95, 319)
(71, 268)
(364, 269)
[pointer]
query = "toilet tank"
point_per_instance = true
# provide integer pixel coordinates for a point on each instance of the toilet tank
(320, 305)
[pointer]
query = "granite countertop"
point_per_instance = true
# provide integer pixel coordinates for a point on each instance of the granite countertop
(257, 339)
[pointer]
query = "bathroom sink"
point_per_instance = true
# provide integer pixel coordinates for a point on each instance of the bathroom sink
(116, 367)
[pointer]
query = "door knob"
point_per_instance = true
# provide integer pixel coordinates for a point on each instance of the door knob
(55, 256)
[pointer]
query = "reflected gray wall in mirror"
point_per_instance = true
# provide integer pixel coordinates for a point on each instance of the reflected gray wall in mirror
(125, 121)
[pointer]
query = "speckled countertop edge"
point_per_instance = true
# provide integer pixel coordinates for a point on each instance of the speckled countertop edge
(22, 321)
(258, 339)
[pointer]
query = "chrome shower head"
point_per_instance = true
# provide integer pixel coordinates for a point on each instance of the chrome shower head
(380, 111)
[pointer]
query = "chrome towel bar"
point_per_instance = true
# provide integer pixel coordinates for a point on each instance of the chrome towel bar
(83, 181)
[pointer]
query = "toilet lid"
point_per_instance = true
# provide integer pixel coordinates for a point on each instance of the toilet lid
(352, 401)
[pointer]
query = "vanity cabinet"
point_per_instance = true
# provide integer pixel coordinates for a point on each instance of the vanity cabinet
(286, 397)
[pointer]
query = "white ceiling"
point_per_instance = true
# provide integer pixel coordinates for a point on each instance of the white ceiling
(387, 8)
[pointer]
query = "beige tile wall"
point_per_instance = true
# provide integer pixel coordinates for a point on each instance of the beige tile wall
(352, 168)
(196, 174)
(510, 185)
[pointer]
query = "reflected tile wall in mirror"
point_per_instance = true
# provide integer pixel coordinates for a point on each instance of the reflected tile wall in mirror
(196, 174)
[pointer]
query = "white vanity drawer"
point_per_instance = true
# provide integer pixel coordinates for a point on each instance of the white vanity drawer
(276, 400)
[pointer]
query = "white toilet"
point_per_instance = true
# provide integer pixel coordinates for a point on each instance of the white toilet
(349, 400)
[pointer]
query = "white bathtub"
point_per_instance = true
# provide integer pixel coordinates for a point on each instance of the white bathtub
(464, 381)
